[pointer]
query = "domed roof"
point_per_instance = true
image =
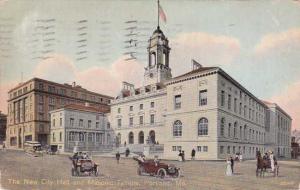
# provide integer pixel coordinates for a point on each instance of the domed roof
(158, 31)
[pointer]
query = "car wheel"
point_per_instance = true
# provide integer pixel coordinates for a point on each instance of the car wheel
(177, 174)
(140, 170)
(161, 173)
(96, 171)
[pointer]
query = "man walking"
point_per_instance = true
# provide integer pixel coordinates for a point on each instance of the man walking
(182, 155)
(231, 163)
(118, 157)
(193, 154)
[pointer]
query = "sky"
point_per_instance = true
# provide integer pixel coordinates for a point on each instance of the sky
(92, 42)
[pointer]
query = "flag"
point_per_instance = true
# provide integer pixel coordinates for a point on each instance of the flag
(162, 13)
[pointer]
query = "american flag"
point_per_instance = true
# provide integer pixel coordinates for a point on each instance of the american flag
(162, 14)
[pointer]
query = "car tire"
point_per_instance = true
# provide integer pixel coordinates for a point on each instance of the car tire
(177, 174)
(161, 173)
(96, 172)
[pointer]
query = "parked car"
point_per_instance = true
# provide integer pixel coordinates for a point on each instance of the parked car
(157, 168)
(82, 165)
(33, 148)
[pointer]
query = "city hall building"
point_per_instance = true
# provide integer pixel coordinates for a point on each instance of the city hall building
(204, 109)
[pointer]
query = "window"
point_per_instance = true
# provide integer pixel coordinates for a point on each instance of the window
(41, 86)
(60, 136)
(240, 132)
(71, 122)
(202, 127)
(90, 137)
(89, 123)
(203, 98)
(53, 122)
(199, 148)
(222, 128)
(97, 124)
(141, 106)
(152, 119)
(152, 104)
(233, 149)
(229, 101)
(131, 121)
(176, 148)
(177, 129)
(98, 137)
(177, 101)
(205, 148)
(53, 137)
(221, 149)
(245, 110)
(240, 108)
(131, 108)
(234, 129)
(119, 110)
(80, 122)
(60, 121)
(108, 125)
(119, 122)
(228, 149)
(229, 129)
(222, 98)
(81, 137)
(235, 105)
(71, 136)
(141, 120)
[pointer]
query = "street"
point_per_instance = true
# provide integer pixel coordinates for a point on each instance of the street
(20, 171)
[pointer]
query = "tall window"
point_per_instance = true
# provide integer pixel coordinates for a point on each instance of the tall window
(240, 108)
(177, 101)
(245, 135)
(229, 129)
(141, 106)
(203, 97)
(53, 137)
(81, 137)
(71, 122)
(141, 120)
(235, 105)
(97, 124)
(60, 136)
(245, 111)
(222, 98)
(60, 121)
(80, 122)
(53, 122)
(202, 127)
(131, 121)
(119, 122)
(131, 108)
(222, 128)
(90, 137)
(119, 110)
(89, 123)
(152, 119)
(235, 129)
(229, 101)
(177, 129)
(152, 104)
(240, 132)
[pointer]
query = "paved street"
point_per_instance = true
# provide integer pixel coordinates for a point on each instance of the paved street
(21, 171)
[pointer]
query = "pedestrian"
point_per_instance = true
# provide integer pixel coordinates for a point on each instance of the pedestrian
(127, 152)
(182, 155)
(118, 157)
(193, 154)
(272, 161)
(232, 164)
(125, 143)
(3, 146)
(228, 167)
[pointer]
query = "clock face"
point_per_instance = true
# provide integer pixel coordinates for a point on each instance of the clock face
(151, 75)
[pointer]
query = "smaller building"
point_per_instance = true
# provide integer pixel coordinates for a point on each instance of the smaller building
(295, 141)
(3, 122)
(80, 128)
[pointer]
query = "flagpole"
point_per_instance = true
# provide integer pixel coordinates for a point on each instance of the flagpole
(157, 13)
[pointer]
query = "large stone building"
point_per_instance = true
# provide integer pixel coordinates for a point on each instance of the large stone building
(278, 130)
(29, 104)
(3, 123)
(205, 109)
(80, 127)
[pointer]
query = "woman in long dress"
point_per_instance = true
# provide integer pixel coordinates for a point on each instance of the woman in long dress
(228, 167)
(272, 161)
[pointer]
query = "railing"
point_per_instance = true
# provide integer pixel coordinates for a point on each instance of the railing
(156, 148)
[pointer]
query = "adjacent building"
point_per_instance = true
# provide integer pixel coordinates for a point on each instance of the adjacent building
(3, 122)
(205, 109)
(29, 104)
(278, 130)
(81, 128)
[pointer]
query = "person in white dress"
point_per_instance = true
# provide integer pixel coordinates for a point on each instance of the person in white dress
(272, 161)
(228, 167)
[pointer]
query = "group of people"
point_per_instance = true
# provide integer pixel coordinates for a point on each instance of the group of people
(269, 156)
(230, 165)
(181, 156)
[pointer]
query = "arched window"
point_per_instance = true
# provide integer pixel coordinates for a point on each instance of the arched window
(222, 128)
(177, 129)
(152, 59)
(229, 129)
(202, 127)
(245, 135)
(141, 137)
(130, 138)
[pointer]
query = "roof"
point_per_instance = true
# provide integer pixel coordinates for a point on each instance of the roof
(201, 69)
(268, 104)
(80, 107)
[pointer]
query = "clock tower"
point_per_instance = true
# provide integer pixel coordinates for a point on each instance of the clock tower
(157, 70)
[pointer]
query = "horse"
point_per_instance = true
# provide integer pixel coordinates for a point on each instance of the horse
(264, 164)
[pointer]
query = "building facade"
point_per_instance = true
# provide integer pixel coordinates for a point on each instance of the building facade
(3, 123)
(278, 130)
(205, 109)
(80, 127)
(29, 104)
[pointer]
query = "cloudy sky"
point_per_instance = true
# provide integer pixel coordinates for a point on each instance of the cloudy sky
(256, 42)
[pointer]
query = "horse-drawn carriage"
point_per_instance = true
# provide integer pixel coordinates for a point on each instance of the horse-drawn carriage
(264, 165)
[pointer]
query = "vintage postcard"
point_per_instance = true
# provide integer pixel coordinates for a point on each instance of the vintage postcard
(149, 94)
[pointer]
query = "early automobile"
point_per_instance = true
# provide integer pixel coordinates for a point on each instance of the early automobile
(33, 148)
(154, 167)
(82, 165)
